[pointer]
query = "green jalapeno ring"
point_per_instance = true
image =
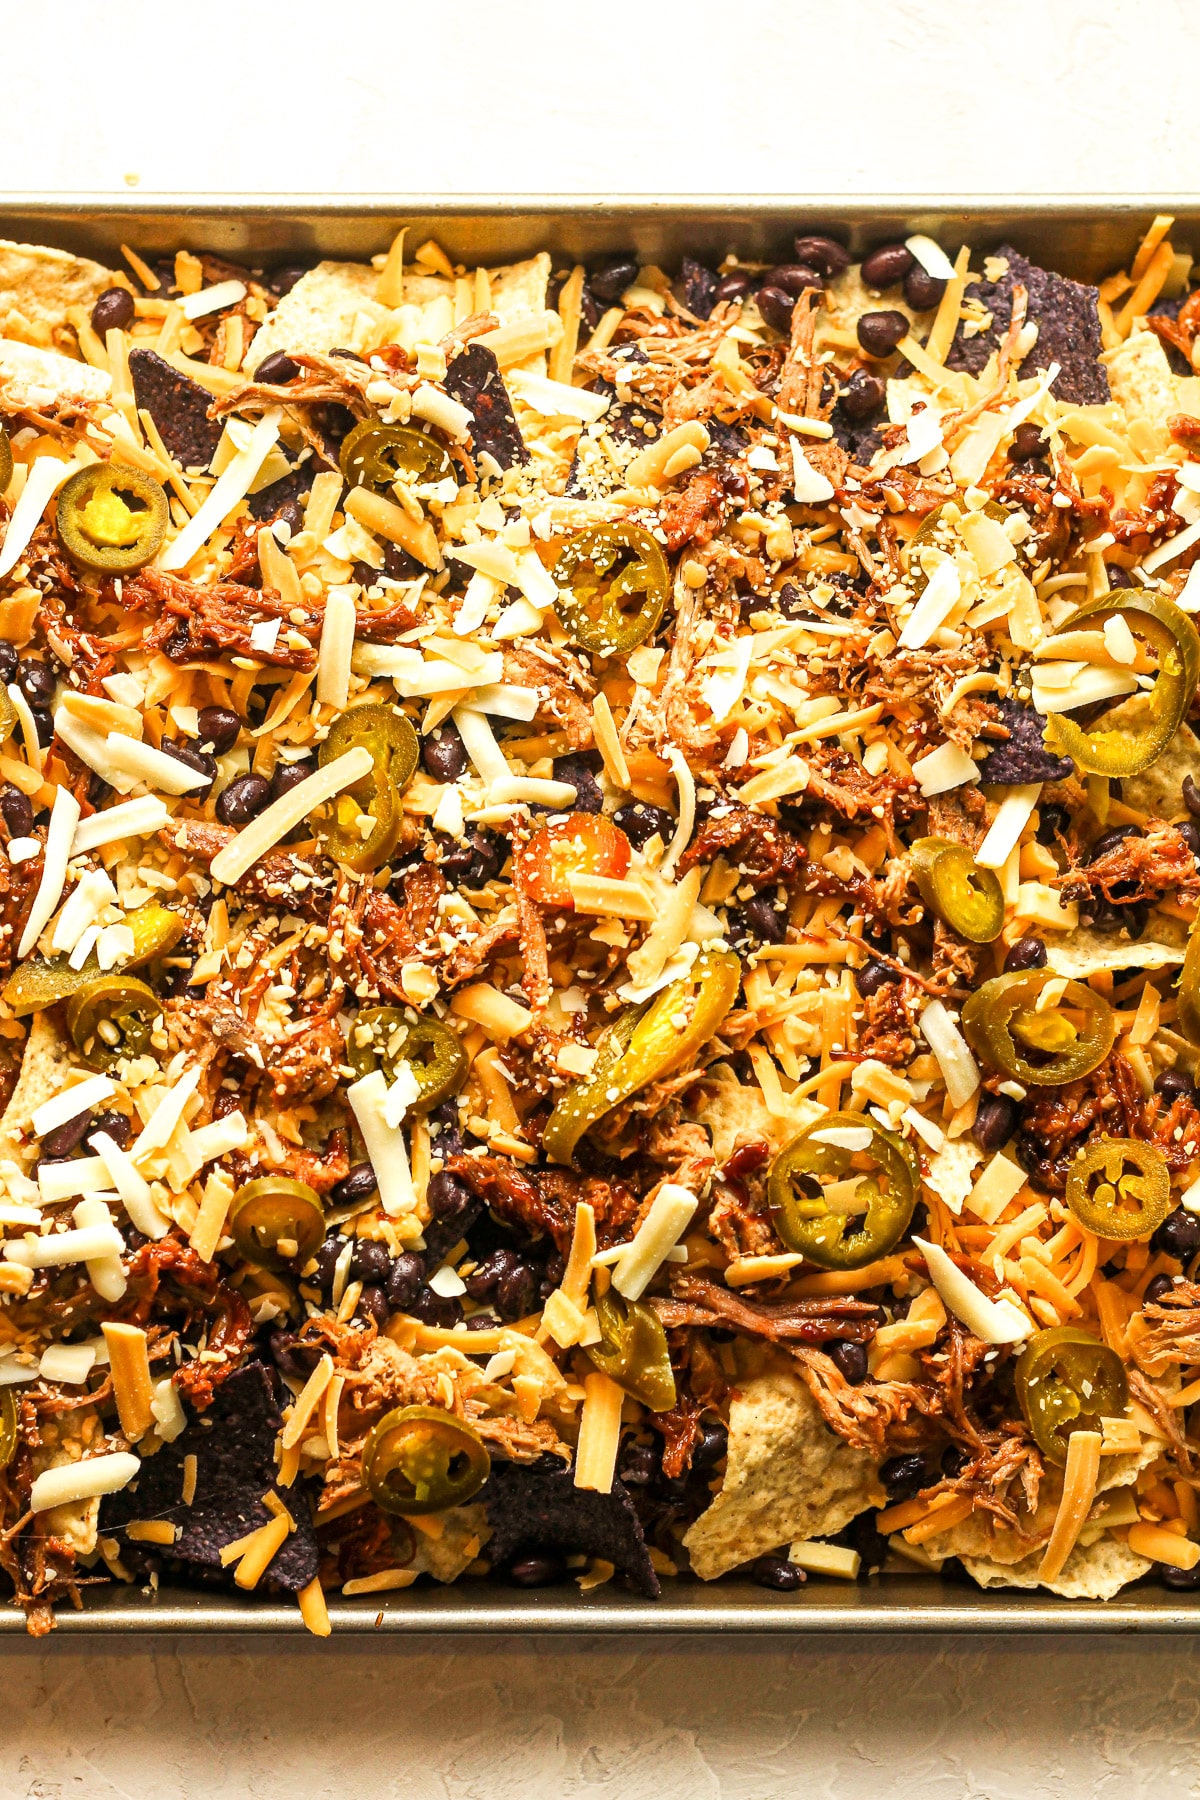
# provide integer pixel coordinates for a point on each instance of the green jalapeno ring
(128, 1008)
(374, 454)
(274, 1210)
(36, 984)
(1097, 1183)
(1188, 989)
(633, 1351)
(8, 1427)
(343, 838)
(386, 733)
(419, 1459)
(429, 1048)
(591, 611)
(964, 896)
(645, 1044)
(1002, 1014)
(1065, 1381)
(1130, 749)
(834, 1239)
(99, 528)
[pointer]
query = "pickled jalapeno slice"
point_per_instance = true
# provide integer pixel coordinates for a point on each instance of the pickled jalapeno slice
(111, 1019)
(112, 519)
(967, 898)
(386, 733)
(382, 1037)
(1119, 1188)
(275, 1221)
(842, 1193)
(633, 1350)
(419, 1459)
(613, 585)
(1066, 1380)
(374, 454)
(1009, 1023)
(8, 1426)
(39, 983)
(1127, 746)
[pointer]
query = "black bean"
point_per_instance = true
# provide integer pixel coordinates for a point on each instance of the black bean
(614, 275)
(516, 1292)
(373, 1304)
(880, 332)
(282, 280)
(823, 253)
(326, 1259)
(358, 1185)
(862, 395)
(922, 291)
(1156, 1289)
(98, 790)
(185, 752)
(887, 266)
(483, 1321)
(444, 1130)
(16, 810)
(59, 1143)
(995, 1121)
(293, 1358)
(113, 311)
(9, 661)
(1053, 822)
(850, 1358)
(641, 1464)
(116, 1125)
(794, 279)
(481, 1282)
(277, 369)
(762, 922)
(1174, 1085)
(776, 305)
(734, 286)
(1026, 953)
(43, 722)
(288, 776)
(449, 1198)
(406, 1280)
(1178, 1235)
(370, 1261)
(218, 728)
(244, 798)
(874, 975)
(774, 1572)
(1189, 831)
(478, 859)
(1109, 840)
(540, 1570)
(436, 1309)
(1028, 444)
(35, 682)
(1118, 577)
(640, 821)
(443, 753)
(1191, 796)
(1181, 1581)
(902, 1476)
(711, 1446)
(574, 770)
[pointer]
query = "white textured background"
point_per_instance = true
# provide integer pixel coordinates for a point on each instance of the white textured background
(826, 96)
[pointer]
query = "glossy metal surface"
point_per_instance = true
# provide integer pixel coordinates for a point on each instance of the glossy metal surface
(1085, 238)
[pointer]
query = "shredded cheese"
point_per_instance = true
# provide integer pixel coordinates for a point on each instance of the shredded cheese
(290, 810)
(228, 492)
(132, 1385)
(64, 819)
(599, 1434)
(992, 1321)
(386, 1148)
(1079, 1491)
(85, 1480)
(670, 1214)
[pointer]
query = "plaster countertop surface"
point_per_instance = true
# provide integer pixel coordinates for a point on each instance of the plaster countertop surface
(847, 97)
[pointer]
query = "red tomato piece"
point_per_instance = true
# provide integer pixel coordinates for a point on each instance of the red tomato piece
(580, 844)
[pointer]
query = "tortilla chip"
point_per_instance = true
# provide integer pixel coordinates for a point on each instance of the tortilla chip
(44, 1067)
(37, 284)
(65, 1440)
(1023, 757)
(951, 1171)
(787, 1477)
(1142, 383)
(1080, 953)
(1066, 314)
(534, 1506)
(982, 1538)
(519, 289)
(37, 378)
(1092, 1572)
(179, 407)
(464, 1532)
(234, 1446)
(735, 1114)
(1158, 790)
(475, 381)
(333, 307)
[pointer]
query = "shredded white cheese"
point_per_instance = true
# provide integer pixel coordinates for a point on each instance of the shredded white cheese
(290, 810)
(64, 817)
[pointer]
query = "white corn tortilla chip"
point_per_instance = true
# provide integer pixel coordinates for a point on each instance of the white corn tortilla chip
(332, 307)
(736, 1114)
(1080, 953)
(952, 1171)
(787, 1477)
(37, 284)
(980, 1536)
(1158, 790)
(32, 376)
(1093, 1572)
(65, 1440)
(44, 1067)
(1141, 381)
(465, 1531)
(519, 289)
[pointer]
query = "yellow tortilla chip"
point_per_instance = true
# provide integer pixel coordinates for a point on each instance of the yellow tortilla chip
(735, 1114)
(44, 1068)
(332, 307)
(1081, 953)
(464, 1532)
(37, 284)
(1093, 1572)
(1157, 791)
(788, 1477)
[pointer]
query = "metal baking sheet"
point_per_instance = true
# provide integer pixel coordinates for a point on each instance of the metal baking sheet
(1086, 237)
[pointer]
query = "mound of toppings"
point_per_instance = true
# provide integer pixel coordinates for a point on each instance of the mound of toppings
(597, 878)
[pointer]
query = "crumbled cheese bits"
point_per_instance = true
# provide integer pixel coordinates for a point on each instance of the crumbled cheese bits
(598, 874)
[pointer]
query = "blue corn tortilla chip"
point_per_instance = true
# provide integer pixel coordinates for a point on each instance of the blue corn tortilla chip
(179, 407)
(234, 1446)
(1068, 320)
(1023, 757)
(537, 1506)
(475, 381)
